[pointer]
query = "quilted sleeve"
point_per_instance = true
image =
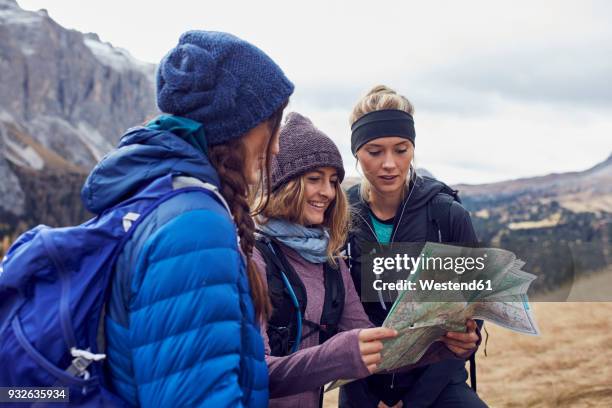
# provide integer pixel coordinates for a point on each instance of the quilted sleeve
(185, 316)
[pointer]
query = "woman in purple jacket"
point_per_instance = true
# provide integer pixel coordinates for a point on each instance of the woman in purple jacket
(303, 228)
(306, 197)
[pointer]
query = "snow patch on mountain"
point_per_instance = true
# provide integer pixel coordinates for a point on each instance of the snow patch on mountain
(93, 140)
(114, 57)
(10, 13)
(23, 155)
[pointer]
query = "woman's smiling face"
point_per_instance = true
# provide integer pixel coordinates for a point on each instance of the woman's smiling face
(319, 192)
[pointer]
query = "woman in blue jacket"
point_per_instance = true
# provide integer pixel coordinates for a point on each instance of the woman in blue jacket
(181, 325)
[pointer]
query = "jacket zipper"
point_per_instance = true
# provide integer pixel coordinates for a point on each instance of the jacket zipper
(396, 227)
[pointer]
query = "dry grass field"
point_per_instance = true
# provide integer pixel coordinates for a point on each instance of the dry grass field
(568, 365)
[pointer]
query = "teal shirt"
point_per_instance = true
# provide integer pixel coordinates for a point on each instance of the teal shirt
(383, 228)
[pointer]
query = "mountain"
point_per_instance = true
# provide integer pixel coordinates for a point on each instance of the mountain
(65, 99)
(589, 190)
(560, 224)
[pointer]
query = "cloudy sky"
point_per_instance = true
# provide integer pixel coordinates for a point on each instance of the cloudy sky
(502, 89)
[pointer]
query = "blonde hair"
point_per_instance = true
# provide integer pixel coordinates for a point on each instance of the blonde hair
(288, 203)
(378, 98)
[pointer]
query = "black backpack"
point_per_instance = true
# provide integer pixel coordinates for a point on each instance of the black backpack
(287, 326)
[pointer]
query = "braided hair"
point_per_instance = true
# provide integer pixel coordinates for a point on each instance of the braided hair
(229, 161)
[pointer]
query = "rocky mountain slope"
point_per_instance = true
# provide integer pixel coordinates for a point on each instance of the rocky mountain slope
(65, 99)
(583, 191)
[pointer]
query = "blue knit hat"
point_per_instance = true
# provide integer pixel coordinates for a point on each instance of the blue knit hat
(221, 81)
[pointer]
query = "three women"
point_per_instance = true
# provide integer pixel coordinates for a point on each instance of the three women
(182, 318)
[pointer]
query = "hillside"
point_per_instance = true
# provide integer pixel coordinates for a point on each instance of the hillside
(560, 223)
(65, 99)
(564, 367)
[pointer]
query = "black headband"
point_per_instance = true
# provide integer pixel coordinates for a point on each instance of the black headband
(381, 123)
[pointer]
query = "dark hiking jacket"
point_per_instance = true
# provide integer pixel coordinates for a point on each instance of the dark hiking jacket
(411, 224)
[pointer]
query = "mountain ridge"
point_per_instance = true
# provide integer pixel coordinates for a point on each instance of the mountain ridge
(65, 100)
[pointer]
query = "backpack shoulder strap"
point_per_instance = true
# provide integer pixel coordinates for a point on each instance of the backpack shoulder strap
(438, 216)
(333, 305)
(140, 225)
(277, 263)
(473, 372)
(288, 297)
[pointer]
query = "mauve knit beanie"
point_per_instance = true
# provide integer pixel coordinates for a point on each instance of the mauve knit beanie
(303, 148)
(221, 81)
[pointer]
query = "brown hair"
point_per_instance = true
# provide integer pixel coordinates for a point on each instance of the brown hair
(378, 98)
(229, 159)
(288, 202)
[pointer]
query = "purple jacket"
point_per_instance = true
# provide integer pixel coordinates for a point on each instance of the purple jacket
(296, 380)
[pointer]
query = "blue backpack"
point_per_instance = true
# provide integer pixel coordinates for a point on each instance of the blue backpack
(53, 286)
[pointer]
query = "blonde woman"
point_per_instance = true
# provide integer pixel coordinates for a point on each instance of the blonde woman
(394, 204)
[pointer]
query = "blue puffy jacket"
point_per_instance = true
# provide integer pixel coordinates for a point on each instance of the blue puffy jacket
(179, 327)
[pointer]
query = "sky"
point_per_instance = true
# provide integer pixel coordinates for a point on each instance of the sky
(501, 89)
